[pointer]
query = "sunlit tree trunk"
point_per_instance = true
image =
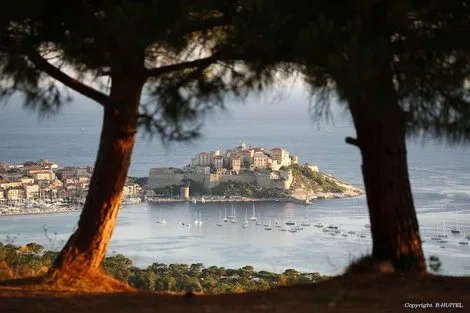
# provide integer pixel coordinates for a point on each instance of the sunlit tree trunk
(86, 248)
(381, 136)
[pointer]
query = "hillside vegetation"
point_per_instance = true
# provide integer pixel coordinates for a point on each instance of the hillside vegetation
(31, 259)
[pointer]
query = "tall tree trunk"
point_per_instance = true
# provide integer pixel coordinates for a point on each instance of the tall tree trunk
(381, 131)
(86, 248)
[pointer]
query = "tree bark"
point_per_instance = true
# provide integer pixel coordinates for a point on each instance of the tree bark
(381, 131)
(86, 248)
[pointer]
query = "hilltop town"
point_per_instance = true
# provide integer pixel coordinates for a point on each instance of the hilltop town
(44, 187)
(264, 170)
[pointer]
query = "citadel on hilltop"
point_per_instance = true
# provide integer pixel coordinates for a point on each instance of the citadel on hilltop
(246, 164)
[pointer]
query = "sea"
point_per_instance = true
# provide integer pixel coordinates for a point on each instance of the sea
(439, 173)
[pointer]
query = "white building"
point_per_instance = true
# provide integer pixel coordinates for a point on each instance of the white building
(218, 162)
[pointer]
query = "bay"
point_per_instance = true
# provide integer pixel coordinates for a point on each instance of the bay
(439, 176)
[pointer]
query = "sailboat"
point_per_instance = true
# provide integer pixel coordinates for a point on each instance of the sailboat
(306, 221)
(455, 230)
(233, 215)
(245, 225)
(253, 218)
(161, 221)
(225, 218)
(234, 218)
(188, 224)
(464, 242)
(268, 225)
(196, 221)
(200, 218)
(319, 225)
(258, 221)
(220, 218)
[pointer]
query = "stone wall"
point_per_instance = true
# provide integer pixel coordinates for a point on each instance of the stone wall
(266, 180)
(162, 177)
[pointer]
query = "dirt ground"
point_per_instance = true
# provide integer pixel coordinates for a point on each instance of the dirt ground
(348, 293)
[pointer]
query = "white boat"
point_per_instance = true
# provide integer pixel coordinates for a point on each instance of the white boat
(292, 230)
(220, 218)
(225, 220)
(268, 225)
(306, 222)
(258, 221)
(200, 218)
(455, 230)
(245, 225)
(234, 218)
(367, 225)
(464, 242)
(161, 220)
(291, 222)
(253, 218)
(196, 221)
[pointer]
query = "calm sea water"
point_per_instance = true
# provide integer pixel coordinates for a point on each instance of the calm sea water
(439, 177)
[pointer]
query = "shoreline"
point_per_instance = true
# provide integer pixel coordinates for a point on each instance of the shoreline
(24, 211)
(200, 200)
(40, 213)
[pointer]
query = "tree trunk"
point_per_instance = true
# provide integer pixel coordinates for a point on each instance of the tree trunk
(381, 130)
(86, 248)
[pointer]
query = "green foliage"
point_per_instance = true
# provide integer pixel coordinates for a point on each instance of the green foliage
(314, 180)
(228, 189)
(162, 277)
(435, 263)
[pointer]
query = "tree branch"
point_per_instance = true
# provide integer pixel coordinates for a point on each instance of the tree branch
(154, 72)
(352, 141)
(42, 65)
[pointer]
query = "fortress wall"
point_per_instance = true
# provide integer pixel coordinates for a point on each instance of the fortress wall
(241, 178)
(265, 181)
(160, 179)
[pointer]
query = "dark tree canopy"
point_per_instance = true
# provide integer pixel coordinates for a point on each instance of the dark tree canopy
(333, 43)
(175, 46)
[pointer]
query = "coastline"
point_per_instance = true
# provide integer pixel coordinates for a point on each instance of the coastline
(71, 210)
(197, 200)
(24, 210)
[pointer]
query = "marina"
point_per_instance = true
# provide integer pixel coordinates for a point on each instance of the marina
(214, 234)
